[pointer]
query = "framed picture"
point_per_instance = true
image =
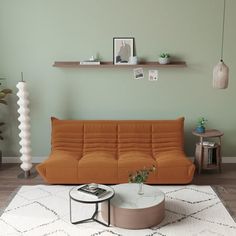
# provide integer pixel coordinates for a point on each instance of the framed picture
(138, 73)
(123, 49)
(153, 75)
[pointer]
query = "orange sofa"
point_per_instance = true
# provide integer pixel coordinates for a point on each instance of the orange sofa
(106, 151)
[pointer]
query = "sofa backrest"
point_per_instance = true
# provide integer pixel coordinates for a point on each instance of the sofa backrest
(167, 135)
(100, 136)
(117, 136)
(67, 135)
(134, 136)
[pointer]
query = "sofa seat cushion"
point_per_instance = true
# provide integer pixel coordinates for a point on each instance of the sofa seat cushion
(65, 154)
(61, 168)
(174, 167)
(136, 154)
(98, 167)
(170, 154)
(174, 161)
(98, 156)
(128, 163)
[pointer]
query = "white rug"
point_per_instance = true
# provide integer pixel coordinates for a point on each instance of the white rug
(44, 211)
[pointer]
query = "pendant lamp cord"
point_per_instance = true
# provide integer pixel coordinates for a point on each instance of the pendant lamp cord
(223, 30)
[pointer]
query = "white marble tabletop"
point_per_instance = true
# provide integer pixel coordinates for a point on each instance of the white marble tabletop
(84, 197)
(126, 196)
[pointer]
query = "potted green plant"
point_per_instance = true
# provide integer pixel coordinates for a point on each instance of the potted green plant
(201, 122)
(141, 176)
(3, 94)
(164, 58)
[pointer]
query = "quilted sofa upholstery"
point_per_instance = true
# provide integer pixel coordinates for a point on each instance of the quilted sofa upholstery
(106, 151)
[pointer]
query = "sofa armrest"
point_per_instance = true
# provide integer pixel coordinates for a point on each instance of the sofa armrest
(63, 154)
(59, 161)
(172, 153)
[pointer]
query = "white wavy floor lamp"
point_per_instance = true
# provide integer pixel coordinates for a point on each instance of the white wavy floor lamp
(221, 71)
(24, 127)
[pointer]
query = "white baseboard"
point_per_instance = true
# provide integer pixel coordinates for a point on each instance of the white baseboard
(224, 159)
(229, 159)
(40, 159)
(17, 159)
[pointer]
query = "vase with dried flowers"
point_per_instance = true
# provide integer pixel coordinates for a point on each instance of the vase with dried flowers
(141, 176)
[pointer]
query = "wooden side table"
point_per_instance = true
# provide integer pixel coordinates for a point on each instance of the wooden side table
(204, 152)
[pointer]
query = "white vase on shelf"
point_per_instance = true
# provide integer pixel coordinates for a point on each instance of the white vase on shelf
(164, 60)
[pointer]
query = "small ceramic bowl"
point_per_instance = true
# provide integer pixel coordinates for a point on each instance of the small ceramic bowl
(93, 186)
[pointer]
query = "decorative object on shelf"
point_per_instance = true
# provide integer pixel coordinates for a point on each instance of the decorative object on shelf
(133, 60)
(141, 176)
(90, 61)
(221, 70)
(164, 58)
(201, 123)
(123, 50)
(3, 94)
(24, 127)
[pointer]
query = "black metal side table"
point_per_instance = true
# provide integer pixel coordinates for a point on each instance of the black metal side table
(81, 197)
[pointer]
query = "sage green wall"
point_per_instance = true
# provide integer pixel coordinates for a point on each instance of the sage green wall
(35, 33)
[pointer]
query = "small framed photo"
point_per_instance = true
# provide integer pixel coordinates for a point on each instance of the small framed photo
(153, 75)
(138, 73)
(123, 49)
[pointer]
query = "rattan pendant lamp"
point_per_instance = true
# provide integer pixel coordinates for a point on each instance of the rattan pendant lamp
(221, 70)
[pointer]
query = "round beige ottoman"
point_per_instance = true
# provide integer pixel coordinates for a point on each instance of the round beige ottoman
(133, 211)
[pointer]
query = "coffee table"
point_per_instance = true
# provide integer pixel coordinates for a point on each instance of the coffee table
(81, 197)
(133, 211)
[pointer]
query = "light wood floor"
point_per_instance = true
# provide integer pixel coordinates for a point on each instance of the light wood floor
(226, 182)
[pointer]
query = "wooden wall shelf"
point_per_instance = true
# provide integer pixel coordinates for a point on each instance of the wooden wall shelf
(109, 64)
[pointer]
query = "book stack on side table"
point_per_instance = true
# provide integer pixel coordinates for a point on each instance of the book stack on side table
(209, 153)
(96, 192)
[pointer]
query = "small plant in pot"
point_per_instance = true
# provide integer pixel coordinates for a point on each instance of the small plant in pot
(3, 95)
(201, 122)
(164, 58)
